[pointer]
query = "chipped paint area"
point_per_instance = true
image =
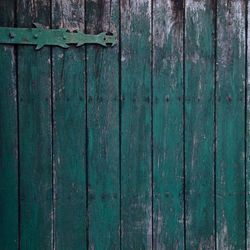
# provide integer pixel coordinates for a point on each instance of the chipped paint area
(195, 11)
(235, 19)
(206, 244)
(163, 22)
(150, 226)
(158, 244)
(195, 6)
(9, 50)
(32, 8)
(136, 6)
(223, 236)
(105, 17)
(135, 11)
(75, 11)
(236, 16)
(168, 29)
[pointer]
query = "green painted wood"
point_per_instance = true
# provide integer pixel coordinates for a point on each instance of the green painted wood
(136, 193)
(71, 218)
(248, 131)
(8, 138)
(103, 129)
(230, 164)
(34, 88)
(168, 124)
(43, 36)
(69, 132)
(199, 125)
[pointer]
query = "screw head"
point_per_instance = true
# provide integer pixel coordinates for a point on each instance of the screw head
(11, 35)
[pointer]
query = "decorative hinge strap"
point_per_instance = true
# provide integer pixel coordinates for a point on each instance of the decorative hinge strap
(41, 36)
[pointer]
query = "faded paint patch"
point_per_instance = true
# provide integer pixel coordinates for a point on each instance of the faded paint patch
(135, 10)
(194, 11)
(234, 31)
(150, 226)
(163, 22)
(168, 35)
(34, 9)
(101, 17)
(195, 6)
(222, 237)
(10, 54)
(135, 6)
(236, 17)
(158, 244)
(206, 244)
(69, 16)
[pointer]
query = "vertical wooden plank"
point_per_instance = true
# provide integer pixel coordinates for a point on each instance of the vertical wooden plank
(168, 124)
(248, 130)
(8, 137)
(199, 124)
(103, 129)
(69, 132)
(230, 164)
(34, 88)
(136, 207)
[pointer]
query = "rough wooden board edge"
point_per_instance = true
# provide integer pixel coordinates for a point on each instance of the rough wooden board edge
(230, 162)
(9, 230)
(168, 216)
(35, 134)
(103, 129)
(69, 107)
(199, 121)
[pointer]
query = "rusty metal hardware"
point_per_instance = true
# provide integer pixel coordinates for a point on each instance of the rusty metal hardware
(41, 37)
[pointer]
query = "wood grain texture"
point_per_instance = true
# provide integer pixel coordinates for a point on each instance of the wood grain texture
(248, 132)
(199, 125)
(168, 124)
(103, 129)
(136, 207)
(70, 214)
(230, 165)
(177, 116)
(8, 137)
(34, 87)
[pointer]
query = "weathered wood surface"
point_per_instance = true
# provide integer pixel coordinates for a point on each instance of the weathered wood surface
(103, 129)
(69, 132)
(247, 95)
(142, 146)
(168, 125)
(136, 158)
(8, 137)
(34, 101)
(230, 125)
(199, 125)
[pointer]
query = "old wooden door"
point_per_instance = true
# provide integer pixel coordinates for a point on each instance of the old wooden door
(141, 146)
